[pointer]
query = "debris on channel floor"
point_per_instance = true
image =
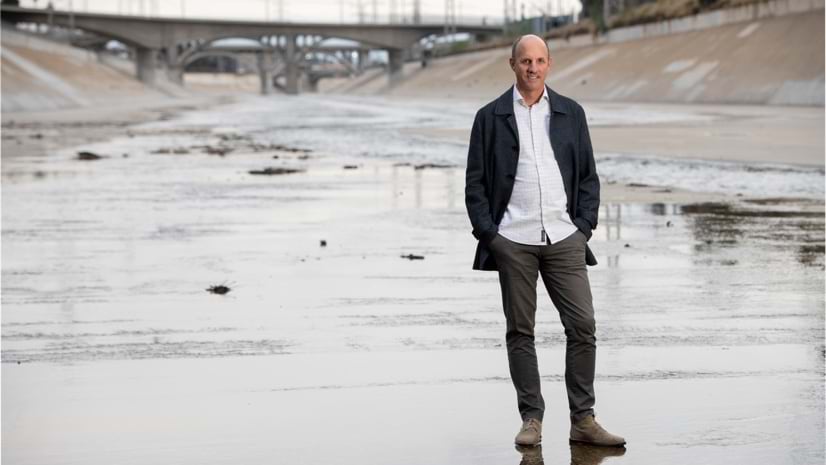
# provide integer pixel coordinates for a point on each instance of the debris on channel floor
(259, 147)
(220, 151)
(88, 156)
(276, 171)
(171, 150)
(425, 166)
(220, 289)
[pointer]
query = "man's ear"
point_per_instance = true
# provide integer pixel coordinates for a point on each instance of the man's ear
(512, 63)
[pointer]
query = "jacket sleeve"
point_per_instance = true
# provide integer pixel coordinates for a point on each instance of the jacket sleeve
(476, 196)
(587, 209)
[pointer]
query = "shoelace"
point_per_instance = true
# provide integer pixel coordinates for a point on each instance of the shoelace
(531, 424)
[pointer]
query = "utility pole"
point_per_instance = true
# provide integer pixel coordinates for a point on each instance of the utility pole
(450, 18)
(417, 11)
(392, 12)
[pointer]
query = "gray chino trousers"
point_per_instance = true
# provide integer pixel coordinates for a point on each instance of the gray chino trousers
(562, 267)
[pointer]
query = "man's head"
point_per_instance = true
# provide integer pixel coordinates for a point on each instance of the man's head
(530, 61)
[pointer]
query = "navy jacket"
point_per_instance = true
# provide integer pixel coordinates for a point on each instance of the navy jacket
(491, 168)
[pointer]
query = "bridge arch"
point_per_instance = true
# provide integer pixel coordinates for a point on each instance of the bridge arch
(174, 37)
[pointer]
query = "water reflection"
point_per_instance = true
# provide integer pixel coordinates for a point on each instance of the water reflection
(580, 454)
(592, 455)
(731, 225)
(531, 455)
(612, 220)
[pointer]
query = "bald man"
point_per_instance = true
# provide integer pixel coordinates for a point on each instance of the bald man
(532, 194)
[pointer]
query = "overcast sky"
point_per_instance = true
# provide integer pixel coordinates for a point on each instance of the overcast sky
(315, 10)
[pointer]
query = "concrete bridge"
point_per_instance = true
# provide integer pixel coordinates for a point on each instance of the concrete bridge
(172, 42)
(272, 72)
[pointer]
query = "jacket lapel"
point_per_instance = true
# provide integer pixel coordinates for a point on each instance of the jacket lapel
(504, 109)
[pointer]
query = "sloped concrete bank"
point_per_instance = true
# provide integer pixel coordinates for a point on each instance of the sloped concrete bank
(776, 60)
(41, 75)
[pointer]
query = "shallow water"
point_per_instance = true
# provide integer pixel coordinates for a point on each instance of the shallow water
(710, 316)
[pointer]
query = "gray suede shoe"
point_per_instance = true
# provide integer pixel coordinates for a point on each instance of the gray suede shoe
(530, 434)
(588, 431)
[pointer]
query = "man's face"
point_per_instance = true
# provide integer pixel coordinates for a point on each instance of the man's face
(531, 63)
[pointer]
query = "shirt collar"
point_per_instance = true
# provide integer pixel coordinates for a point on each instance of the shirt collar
(517, 97)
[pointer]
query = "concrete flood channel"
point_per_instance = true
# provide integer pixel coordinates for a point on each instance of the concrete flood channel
(710, 315)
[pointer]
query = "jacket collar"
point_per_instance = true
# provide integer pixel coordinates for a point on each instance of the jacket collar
(504, 104)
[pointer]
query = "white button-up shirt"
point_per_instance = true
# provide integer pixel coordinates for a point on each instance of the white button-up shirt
(537, 210)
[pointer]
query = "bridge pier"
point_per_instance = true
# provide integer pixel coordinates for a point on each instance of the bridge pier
(310, 84)
(291, 70)
(395, 63)
(174, 68)
(145, 63)
(175, 74)
(264, 61)
(362, 60)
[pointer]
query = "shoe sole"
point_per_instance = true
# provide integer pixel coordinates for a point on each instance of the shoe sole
(585, 443)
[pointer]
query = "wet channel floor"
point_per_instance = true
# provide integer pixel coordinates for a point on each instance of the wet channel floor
(710, 315)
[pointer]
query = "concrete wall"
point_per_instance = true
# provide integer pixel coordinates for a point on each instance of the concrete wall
(772, 60)
(39, 74)
(752, 12)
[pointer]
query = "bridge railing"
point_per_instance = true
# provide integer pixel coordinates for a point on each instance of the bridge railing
(384, 19)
